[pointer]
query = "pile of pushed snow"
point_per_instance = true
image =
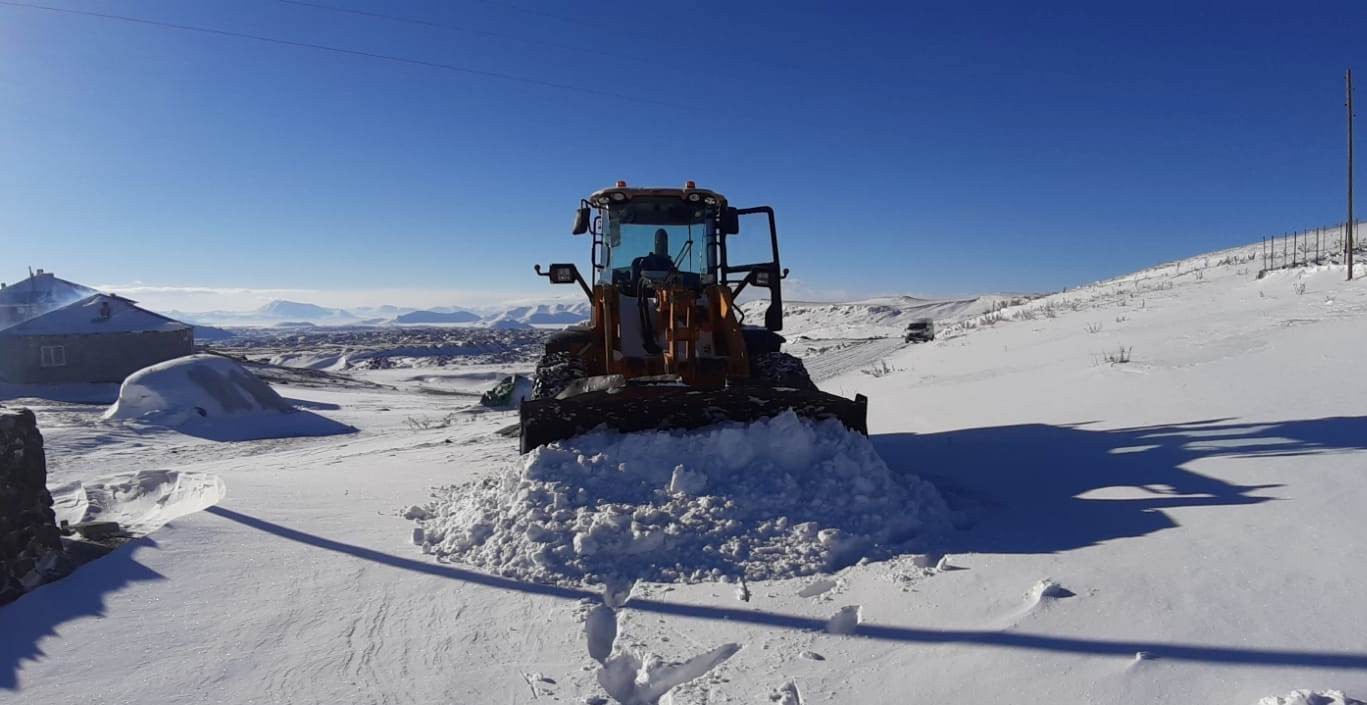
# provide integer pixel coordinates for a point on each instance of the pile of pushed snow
(778, 498)
(214, 397)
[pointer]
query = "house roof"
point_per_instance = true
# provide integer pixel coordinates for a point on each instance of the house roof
(43, 288)
(83, 318)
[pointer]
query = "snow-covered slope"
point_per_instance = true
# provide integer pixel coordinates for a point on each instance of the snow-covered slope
(871, 318)
(1179, 528)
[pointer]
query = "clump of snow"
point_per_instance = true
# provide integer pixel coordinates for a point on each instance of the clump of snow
(777, 498)
(1310, 697)
(646, 679)
(214, 397)
(509, 393)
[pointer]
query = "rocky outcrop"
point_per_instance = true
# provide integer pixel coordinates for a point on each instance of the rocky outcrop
(30, 542)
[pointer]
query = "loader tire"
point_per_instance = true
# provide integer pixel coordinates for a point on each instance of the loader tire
(778, 369)
(554, 372)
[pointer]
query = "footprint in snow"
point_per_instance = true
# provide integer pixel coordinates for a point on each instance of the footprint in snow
(786, 695)
(600, 629)
(846, 620)
(817, 587)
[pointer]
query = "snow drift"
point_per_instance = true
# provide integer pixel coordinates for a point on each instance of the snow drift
(141, 502)
(782, 497)
(213, 397)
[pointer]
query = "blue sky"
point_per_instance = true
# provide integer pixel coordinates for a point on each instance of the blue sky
(908, 147)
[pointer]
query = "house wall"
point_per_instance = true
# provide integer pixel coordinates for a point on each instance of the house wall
(107, 357)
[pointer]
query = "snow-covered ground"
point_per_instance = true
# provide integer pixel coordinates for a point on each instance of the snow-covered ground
(1183, 527)
(832, 337)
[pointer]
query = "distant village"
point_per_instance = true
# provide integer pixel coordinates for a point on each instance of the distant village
(53, 331)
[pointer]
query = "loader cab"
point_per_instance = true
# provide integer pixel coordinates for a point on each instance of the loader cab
(649, 239)
(643, 236)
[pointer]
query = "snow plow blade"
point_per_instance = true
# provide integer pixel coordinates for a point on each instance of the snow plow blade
(651, 408)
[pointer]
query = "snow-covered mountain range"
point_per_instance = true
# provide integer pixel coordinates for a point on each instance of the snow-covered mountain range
(875, 317)
(287, 313)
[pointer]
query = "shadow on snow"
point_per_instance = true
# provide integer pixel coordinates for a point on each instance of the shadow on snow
(1025, 481)
(35, 616)
(1024, 456)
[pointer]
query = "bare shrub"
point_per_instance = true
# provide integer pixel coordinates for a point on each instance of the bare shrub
(428, 423)
(1300, 288)
(1118, 356)
(882, 369)
(1093, 327)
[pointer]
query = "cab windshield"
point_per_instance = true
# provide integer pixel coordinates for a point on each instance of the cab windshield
(632, 227)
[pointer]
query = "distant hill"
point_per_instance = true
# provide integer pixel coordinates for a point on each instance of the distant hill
(543, 314)
(295, 311)
(420, 317)
(210, 333)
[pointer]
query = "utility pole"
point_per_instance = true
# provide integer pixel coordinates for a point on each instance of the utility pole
(1348, 226)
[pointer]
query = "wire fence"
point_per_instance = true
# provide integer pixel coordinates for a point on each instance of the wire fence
(1313, 247)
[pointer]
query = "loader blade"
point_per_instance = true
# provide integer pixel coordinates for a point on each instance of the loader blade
(648, 408)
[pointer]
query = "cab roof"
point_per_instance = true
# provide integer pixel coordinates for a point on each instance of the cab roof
(603, 197)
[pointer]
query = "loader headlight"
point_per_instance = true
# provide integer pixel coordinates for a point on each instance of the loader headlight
(619, 196)
(694, 197)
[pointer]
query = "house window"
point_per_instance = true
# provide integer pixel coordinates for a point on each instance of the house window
(52, 356)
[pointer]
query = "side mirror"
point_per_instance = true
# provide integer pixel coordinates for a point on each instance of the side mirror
(730, 222)
(562, 273)
(565, 274)
(581, 221)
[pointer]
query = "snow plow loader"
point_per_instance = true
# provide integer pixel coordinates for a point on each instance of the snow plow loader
(666, 346)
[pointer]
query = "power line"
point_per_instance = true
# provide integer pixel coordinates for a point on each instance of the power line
(526, 80)
(538, 13)
(534, 12)
(477, 32)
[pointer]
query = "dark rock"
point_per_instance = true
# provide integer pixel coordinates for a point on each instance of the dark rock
(30, 541)
(100, 530)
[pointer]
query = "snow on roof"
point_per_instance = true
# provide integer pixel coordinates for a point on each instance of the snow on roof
(84, 318)
(42, 288)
